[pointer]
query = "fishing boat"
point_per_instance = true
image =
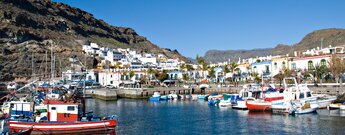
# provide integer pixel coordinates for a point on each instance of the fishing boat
(42, 115)
(259, 105)
(173, 96)
(228, 100)
(225, 102)
(336, 106)
(302, 108)
(60, 117)
(248, 92)
(155, 97)
(264, 99)
(165, 97)
(299, 93)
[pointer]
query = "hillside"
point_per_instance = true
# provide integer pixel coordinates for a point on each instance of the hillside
(30, 27)
(334, 37)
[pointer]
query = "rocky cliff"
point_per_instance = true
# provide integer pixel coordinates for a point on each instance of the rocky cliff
(334, 37)
(28, 28)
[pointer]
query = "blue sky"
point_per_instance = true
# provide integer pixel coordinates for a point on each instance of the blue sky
(195, 26)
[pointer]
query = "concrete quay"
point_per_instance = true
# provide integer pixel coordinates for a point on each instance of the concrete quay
(103, 94)
(140, 93)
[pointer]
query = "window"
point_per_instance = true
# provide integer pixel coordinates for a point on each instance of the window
(301, 95)
(283, 64)
(310, 65)
(111, 82)
(12, 105)
(308, 94)
(267, 69)
(293, 66)
(275, 65)
(70, 108)
(53, 108)
(323, 62)
(111, 76)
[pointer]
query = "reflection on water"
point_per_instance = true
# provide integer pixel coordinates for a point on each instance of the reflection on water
(196, 117)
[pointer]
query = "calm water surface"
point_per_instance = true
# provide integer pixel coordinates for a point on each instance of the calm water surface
(196, 117)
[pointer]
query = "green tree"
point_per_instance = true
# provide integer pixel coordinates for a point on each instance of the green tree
(131, 74)
(189, 67)
(211, 72)
(233, 67)
(226, 69)
(320, 70)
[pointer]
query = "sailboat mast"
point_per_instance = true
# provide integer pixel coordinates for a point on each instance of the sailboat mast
(33, 65)
(52, 63)
(45, 70)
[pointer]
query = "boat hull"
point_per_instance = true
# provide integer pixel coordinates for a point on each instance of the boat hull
(258, 106)
(154, 98)
(63, 128)
(240, 105)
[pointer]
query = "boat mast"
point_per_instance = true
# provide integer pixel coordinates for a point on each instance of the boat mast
(45, 70)
(33, 65)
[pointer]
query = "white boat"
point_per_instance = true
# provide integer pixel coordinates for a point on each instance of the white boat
(12, 86)
(303, 108)
(240, 104)
(323, 100)
(173, 96)
(340, 106)
(302, 93)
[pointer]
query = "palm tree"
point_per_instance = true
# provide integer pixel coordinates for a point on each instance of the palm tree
(320, 71)
(185, 78)
(233, 67)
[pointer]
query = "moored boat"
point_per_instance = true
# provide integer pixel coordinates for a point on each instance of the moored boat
(258, 105)
(155, 97)
(303, 108)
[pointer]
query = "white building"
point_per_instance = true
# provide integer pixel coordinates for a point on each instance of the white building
(175, 75)
(113, 56)
(109, 78)
(309, 63)
(262, 68)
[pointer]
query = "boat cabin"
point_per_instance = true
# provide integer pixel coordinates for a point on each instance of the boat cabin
(61, 111)
(294, 91)
(18, 108)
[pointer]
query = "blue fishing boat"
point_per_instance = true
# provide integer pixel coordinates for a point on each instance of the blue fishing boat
(164, 97)
(155, 97)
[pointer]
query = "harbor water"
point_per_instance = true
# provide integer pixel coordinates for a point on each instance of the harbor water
(197, 117)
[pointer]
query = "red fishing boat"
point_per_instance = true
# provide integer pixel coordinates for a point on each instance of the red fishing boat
(258, 105)
(57, 117)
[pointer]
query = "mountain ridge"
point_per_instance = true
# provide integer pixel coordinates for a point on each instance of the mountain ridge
(330, 36)
(29, 27)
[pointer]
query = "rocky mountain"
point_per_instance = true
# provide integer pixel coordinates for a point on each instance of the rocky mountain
(334, 37)
(28, 28)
